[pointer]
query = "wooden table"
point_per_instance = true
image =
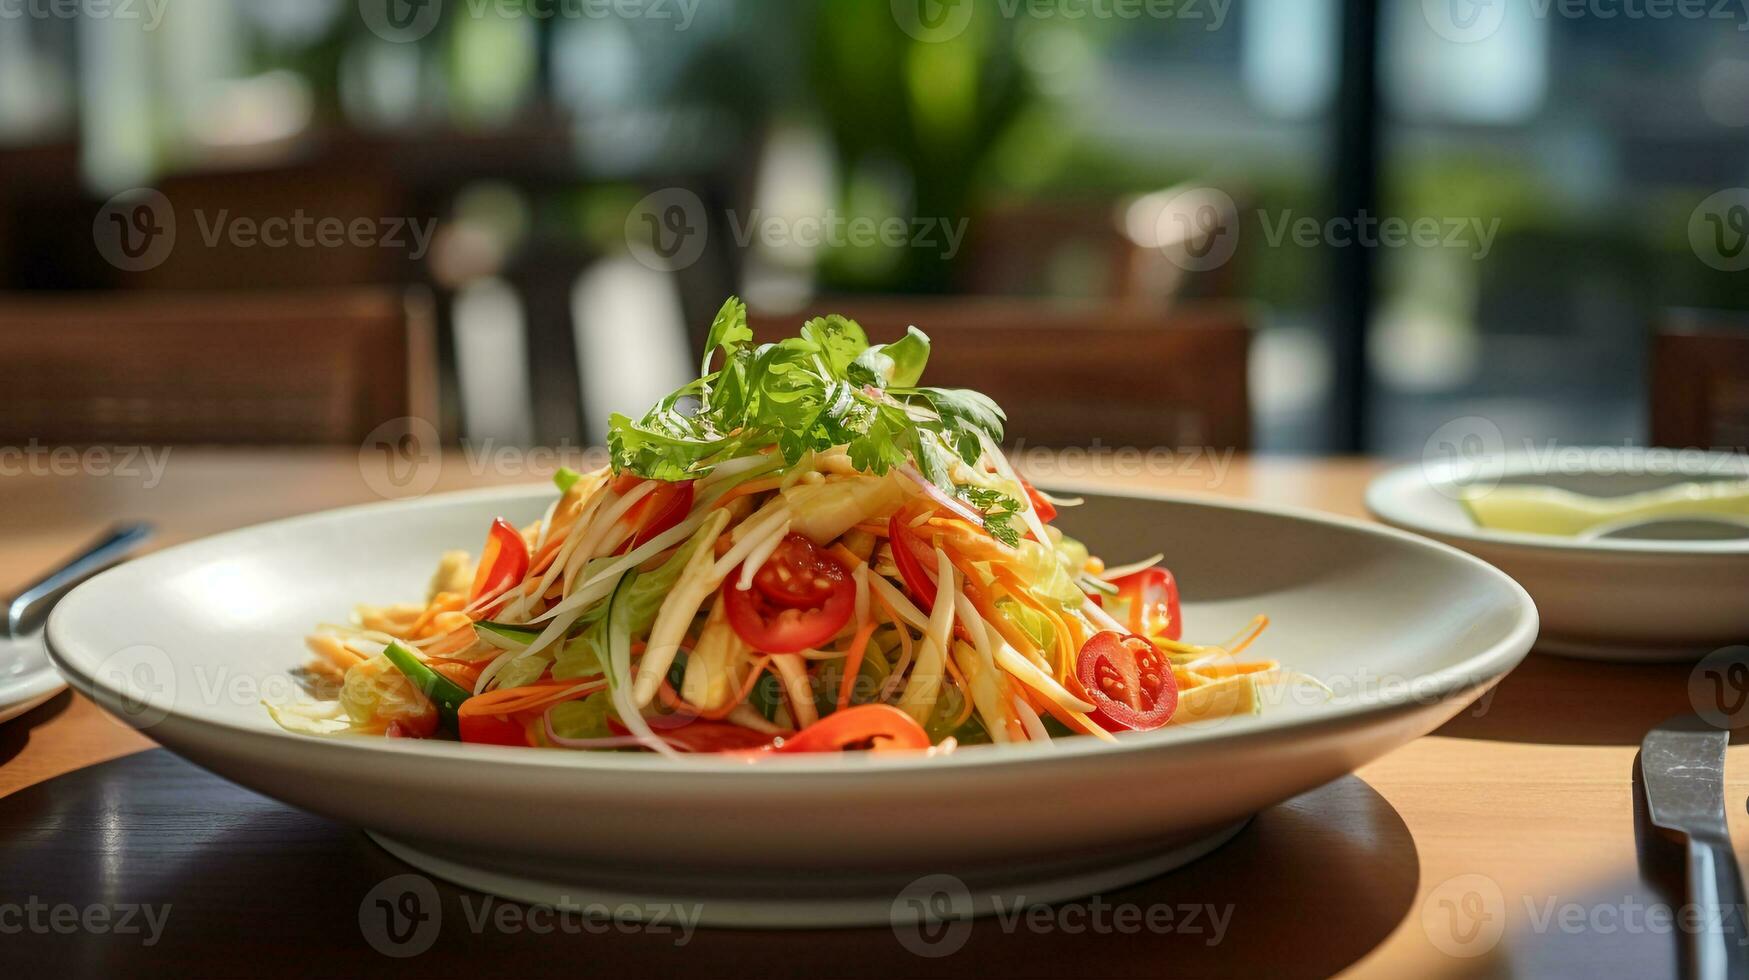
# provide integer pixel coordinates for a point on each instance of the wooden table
(1518, 817)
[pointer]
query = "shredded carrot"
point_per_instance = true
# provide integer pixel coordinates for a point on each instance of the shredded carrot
(853, 663)
(878, 530)
(750, 487)
(1234, 670)
(1248, 635)
(528, 697)
(463, 674)
(334, 652)
(442, 602)
(844, 555)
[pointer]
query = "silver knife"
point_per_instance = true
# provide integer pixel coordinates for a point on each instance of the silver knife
(1683, 764)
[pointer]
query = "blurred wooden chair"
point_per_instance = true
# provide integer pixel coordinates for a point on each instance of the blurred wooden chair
(234, 368)
(1152, 250)
(1076, 374)
(1700, 380)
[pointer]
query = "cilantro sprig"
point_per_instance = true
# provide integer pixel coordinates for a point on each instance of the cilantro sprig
(999, 510)
(826, 387)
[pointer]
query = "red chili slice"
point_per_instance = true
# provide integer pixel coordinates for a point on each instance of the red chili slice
(915, 559)
(503, 561)
(1152, 595)
(661, 508)
(877, 727)
(1047, 511)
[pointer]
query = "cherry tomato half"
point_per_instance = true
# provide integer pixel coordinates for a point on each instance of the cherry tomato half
(783, 578)
(775, 627)
(877, 727)
(483, 729)
(503, 561)
(1152, 596)
(1129, 679)
(661, 508)
(915, 559)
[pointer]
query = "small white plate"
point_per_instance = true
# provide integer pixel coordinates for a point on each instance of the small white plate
(27, 677)
(1600, 599)
(185, 642)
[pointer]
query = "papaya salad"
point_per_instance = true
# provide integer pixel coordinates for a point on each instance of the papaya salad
(803, 550)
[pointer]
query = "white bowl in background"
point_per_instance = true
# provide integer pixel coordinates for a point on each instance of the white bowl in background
(1606, 599)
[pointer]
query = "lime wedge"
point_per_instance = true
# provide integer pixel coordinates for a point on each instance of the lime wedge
(1548, 510)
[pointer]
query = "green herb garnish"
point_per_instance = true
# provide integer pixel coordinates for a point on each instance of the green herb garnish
(999, 510)
(827, 387)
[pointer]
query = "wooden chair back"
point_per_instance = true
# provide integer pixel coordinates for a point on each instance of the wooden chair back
(231, 369)
(1700, 381)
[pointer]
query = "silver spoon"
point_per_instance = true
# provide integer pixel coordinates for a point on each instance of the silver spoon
(1696, 527)
(29, 609)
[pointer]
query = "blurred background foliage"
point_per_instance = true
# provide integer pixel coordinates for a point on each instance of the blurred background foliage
(532, 134)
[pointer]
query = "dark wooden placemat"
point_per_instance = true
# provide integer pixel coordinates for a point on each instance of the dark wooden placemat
(150, 866)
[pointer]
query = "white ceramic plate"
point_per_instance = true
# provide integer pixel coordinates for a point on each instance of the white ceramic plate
(1606, 599)
(27, 678)
(1405, 631)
